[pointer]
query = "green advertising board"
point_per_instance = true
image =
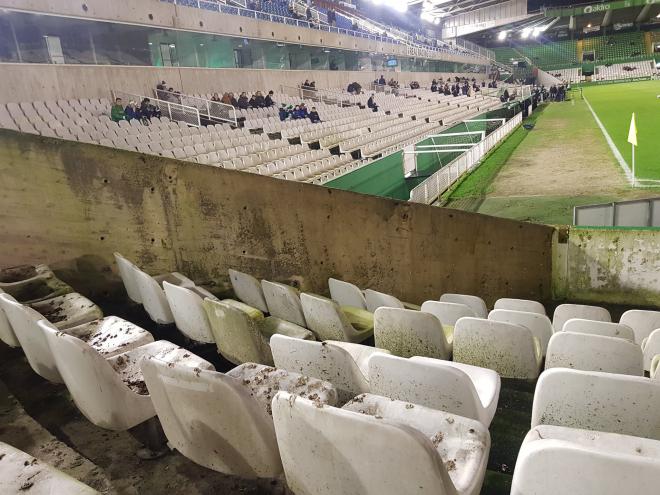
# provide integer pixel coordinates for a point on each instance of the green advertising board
(596, 8)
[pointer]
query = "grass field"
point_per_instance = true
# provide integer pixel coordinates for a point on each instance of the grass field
(614, 104)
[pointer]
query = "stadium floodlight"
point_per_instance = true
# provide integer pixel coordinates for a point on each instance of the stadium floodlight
(502, 35)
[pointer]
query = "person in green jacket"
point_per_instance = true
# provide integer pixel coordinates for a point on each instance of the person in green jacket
(117, 111)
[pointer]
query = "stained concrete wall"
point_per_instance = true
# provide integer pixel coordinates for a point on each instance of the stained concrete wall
(72, 204)
(38, 82)
(607, 266)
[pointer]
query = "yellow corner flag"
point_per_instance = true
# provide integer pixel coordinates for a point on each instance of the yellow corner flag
(632, 133)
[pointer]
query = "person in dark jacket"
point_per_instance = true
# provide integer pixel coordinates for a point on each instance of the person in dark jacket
(372, 104)
(146, 110)
(314, 116)
(381, 80)
(243, 102)
(253, 102)
(131, 111)
(259, 100)
(283, 112)
(268, 101)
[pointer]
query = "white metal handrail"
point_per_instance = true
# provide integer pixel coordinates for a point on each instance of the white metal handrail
(320, 95)
(213, 110)
(173, 111)
(429, 190)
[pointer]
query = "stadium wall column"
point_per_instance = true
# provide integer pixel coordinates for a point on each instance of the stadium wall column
(72, 205)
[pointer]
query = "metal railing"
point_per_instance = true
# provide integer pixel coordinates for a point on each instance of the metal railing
(636, 213)
(429, 190)
(209, 109)
(173, 111)
(320, 95)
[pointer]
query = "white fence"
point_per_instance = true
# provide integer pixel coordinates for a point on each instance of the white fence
(171, 110)
(320, 95)
(429, 190)
(636, 213)
(212, 110)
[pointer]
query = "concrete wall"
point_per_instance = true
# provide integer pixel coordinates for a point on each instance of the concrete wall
(71, 205)
(616, 266)
(35, 82)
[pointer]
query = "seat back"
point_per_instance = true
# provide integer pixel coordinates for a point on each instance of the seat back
(447, 313)
(476, 303)
(540, 325)
(598, 401)
(619, 330)
(188, 312)
(153, 298)
(642, 322)
(248, 289)
(211, 419)
(406, 333)
(95, 387)
(236, 334)
(377, 300)
(327, 451)
(346, 294)
(594, 353)
(23, 321)
(324, 318)
(7, 334)
(126, 272)
(525, 305)
(511, 350)
(320, 360)
(428, 383)
(283, 301)
(565, 312)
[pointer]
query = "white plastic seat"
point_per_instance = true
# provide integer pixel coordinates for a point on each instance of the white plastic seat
(565, 312)
(447, 313)
(456, 388)
(346, 294)
(111, 393)
(377, 300)
(21, 473)
(511, 350)
(344, 364)
(7, 334)
(186, 304)
(525, 305)
(650, 348)
(153, 296)
(248, 289)
(594, 353)
(406, 333)
(242, 333)
(558, 460)
(68, 310)
(329, 321)
(579, 325)
(598, 401)
(283, 301)
(330, 451)
(475, 303)
(540, 325)
(642, 322)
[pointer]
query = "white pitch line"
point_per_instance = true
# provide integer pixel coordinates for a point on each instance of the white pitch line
(615, 150)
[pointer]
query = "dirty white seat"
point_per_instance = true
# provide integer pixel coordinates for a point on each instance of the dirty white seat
(186, 304)
(153, 296)
(16, 277)
(242, 333)
(511, 350)
(111, 393)
(456, 388)
(594, 353)
(111, 335)
(579, 325)
(68, 310)
(650, 347)
(642, 322)
(223, 421)
(558, 460)
(283, 301)
(125, 268)
(328, 321)
(22, 473)
(248, 289)
(655, 367)
(344, 364)
(565, 312)
(474, 302)
(377, 300)
(377, 446)
(598, 401)
(525, 305)
(7, 334)
(406, 333)
(346, 294)
(540, 325)
(447, 313)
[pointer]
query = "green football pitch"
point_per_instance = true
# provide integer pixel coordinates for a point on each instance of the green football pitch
(614, 105)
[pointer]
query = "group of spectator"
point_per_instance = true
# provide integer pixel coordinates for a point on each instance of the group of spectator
(257, 100)
(165, 93)
(298, 112)
(557, 93)
(144, 112)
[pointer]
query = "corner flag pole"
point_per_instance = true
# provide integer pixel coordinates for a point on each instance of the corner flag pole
(632, 139)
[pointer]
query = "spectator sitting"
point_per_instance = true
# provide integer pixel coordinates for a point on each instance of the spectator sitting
(295, 113)
(314, 116)
(372, 104)
(303, 111)
(283, 113)
(306, 84)
(252, 103)
(131, 111)
(117, 111)
(216, 97)
(226, 99)
(259, 100)
(434, 86)
(233, 101)
(268, 101)
(243, 102)
(160, 90)
(381, 81)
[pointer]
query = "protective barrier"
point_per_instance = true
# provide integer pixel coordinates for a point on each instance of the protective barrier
(321, 95)
(429, 190)
(173, 111)
(214, 111)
